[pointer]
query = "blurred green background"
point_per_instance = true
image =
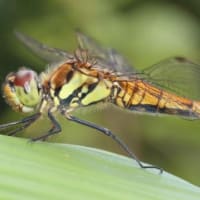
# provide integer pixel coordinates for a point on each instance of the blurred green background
(145, 31)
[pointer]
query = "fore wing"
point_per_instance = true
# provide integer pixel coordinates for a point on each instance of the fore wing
(49, 54)
(104, 57)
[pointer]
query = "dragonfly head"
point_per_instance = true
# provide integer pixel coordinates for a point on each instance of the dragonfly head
(22, 90)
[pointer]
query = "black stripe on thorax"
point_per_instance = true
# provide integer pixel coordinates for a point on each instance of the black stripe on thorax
(75, 93)
(91, 87)
(67, 100)
(69, 75)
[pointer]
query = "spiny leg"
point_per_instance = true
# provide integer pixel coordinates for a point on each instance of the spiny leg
(56, 128)
(24, 124)
(114, 137)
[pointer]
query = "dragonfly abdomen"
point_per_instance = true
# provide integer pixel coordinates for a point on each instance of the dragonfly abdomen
(142, 97)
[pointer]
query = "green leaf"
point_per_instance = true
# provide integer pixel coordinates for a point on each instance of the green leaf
(57, 171)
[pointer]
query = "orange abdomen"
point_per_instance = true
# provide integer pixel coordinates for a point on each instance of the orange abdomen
(143, 97)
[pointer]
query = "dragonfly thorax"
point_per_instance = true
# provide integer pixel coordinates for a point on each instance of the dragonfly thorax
(22, 90)
(72, 86)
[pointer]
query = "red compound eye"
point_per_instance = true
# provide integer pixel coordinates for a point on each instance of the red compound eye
(23, 76)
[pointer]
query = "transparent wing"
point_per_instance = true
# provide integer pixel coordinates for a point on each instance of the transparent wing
(47, 53)
(178, 75)
(105, 57)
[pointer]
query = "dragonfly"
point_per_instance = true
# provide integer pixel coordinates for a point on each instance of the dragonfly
(91, 75)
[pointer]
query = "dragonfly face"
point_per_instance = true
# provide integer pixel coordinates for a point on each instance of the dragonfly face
(22, 91)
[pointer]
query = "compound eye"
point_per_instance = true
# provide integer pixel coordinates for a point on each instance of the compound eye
(23, 78)
(21, 90)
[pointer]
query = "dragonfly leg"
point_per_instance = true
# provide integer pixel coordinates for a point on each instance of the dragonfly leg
(24, 124)
(56, 128)
(114, 137)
